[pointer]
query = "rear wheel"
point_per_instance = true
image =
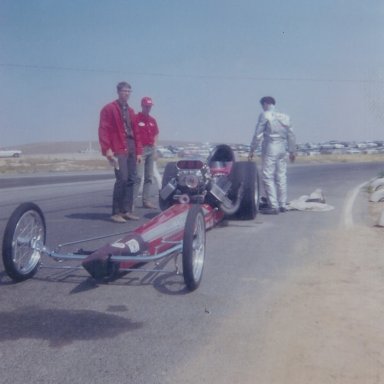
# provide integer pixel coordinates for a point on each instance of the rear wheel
(245, 173)
(194, 247)
(25, 227)
(170, 172)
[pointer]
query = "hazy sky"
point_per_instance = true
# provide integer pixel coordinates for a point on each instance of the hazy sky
(205, 63)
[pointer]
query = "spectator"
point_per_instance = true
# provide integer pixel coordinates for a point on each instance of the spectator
(149, 131)
(120, 143)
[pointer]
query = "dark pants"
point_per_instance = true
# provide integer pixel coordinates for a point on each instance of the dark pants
(144, 173)
(125, 180)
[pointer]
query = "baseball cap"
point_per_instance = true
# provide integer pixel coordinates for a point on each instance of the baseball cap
(146, 101)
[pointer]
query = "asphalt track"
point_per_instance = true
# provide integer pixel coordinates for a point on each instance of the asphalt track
(62, 327)
(33, 180)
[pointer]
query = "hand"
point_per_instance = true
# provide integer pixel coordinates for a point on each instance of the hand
(292, 157)
(139, 158)
(109, 154)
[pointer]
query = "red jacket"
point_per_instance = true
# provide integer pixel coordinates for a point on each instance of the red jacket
(147, 127)
(112, 133)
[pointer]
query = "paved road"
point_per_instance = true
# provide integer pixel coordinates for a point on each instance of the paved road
(44, 179)
(60, 327)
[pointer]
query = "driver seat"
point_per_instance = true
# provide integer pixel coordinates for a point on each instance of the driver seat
(221, 158)
(221, 153)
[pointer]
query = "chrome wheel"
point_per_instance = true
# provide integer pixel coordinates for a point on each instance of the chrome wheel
(194, 247)
(198, 247)
(25, 230)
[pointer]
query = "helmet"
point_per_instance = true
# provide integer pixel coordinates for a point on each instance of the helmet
(146, 101)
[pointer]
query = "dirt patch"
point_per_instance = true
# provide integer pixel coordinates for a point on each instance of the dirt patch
(322, 323)
(326, 327)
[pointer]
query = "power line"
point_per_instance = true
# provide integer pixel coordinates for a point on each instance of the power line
(191, 76)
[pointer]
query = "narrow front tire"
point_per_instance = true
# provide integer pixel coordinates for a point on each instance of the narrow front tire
(194, 247)
(25, 227)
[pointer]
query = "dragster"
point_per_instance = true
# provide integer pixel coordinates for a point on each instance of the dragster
(195, 196)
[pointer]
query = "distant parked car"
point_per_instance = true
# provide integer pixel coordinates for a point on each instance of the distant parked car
(352, 151)
(165, 153)
(10, 153)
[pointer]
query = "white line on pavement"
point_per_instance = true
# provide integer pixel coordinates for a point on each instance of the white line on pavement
(347, 216)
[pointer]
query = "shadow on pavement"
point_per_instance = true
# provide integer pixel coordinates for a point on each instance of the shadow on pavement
(61, 327)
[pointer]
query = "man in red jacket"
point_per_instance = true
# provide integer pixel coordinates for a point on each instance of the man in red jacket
(149, 132)
(120, 143)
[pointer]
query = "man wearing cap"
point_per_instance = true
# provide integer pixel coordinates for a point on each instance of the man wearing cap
(149, 131)
(274, 130)
(120, 143)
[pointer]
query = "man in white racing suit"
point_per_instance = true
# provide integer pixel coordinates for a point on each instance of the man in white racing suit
(274, 130)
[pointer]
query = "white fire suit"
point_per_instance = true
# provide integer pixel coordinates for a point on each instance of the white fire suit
(274, 130)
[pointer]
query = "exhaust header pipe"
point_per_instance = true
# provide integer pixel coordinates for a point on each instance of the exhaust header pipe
(232, 209)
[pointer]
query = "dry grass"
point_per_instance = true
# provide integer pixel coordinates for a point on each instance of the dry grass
(336, 158)
(342, 158)
(71, 162)
(63, 162)
(52, 163)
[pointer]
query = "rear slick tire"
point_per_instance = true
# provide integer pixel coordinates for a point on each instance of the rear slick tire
(245, 173)
(194, 247)
(25, 225)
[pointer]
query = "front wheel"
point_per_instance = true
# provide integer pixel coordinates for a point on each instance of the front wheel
(194, 247)
(25, 227)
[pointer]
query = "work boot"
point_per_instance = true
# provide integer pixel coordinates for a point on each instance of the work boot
(283, 209)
